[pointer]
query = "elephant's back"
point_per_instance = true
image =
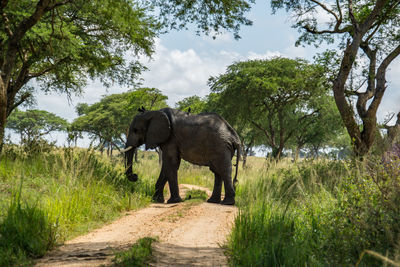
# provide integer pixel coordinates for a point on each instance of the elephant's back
(204, 136)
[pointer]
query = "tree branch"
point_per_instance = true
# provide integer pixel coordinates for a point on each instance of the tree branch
(23, 98)
(324, 7)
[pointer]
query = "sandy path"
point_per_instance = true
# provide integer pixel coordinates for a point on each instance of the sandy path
(190, 234)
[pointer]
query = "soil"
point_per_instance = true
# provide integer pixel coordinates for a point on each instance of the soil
(190, 234)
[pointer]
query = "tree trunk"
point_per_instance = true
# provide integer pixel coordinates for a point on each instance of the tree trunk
(3, 112)
(297, 153)
(244, 157)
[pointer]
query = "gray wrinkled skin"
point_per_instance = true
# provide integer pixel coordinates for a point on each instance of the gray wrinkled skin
(205, 139)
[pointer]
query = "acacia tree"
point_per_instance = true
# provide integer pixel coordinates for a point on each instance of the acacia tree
(249, 136)
(59, 44)
(321, 128)
(33, 124)
(194, 104)
(369, 26)
(270, 96)
(108, 119)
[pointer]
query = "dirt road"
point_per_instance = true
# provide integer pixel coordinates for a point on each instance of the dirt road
(190, 234)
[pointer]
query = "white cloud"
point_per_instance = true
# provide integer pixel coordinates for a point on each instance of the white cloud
(391, 99)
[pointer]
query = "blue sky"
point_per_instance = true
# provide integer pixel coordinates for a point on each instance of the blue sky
(183, 62)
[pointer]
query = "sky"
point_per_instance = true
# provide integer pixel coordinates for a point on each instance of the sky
(183, 62)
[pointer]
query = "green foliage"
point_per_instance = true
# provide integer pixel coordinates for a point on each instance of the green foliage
(195, 103)
(316, 213)
(196, 194)
(26, 232)
(33, 124)
(109, 119)
(211, 16)
(149, 98)
(73, 190)
(358, 67)
(139, 255)
(273, 98)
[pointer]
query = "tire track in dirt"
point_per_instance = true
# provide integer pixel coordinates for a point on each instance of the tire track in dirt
(190, 234)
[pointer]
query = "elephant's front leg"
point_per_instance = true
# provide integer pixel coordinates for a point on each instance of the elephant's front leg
(159, 193)
(174, 187)
(170, 164)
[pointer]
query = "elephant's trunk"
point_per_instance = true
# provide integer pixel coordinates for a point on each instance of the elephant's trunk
(128, 165)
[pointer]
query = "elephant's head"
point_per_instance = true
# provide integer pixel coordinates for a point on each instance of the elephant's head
(151, 128)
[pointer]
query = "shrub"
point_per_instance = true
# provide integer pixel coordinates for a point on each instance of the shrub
(26, 232)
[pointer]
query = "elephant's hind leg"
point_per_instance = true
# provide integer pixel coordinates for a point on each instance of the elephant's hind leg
(226, 175)
(216, 194)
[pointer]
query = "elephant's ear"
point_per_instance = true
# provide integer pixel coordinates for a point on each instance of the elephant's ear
(159, 129)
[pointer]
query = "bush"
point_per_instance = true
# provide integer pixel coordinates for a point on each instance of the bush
(26, 232)
(76, 188)
(321, 213)
(368, 214)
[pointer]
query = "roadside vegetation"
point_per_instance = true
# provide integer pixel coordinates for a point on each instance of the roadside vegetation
(318, 213)
(138, 255)
(52, 195)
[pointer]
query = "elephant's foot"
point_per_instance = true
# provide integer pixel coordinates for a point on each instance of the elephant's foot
(174, 200)
(158, 198)
(214, 199)
(228, 201)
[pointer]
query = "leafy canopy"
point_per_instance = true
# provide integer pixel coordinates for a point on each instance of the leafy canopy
(33, 124)
(270, 96)
(108, 119)
(195, 103)
(368, 33)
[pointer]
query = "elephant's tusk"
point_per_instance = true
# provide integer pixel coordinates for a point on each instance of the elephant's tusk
(126, 149)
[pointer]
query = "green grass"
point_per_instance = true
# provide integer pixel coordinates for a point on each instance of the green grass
(321, 213)
(196, 194)
(310, 213)
(139, 255)
(68, 192)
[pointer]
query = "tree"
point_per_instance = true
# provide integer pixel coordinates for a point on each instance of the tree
(109, 119)
(33, 124)
(270, 96)
(149, 98)
(59, 44)
(195, 103)
(370, 26)
(248, 134)
(321, 128)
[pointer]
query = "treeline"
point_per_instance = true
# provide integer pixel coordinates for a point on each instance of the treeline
(281, 105)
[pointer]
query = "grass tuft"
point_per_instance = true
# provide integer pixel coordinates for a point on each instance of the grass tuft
(196, 194)
(137, 256)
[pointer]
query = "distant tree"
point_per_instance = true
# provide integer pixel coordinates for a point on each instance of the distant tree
(195, 103)
(370, 26)
(248, 134)
(108, 120)
(271, 96)
(34, 124)
(149, 98)
(62, 43)
(320, 129)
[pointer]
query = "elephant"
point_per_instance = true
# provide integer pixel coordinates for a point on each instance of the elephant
(204, 139)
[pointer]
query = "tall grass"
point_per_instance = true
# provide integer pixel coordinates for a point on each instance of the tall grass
(323, 213)
(69, 191)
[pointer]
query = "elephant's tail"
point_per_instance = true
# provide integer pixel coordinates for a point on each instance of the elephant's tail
(235, 180)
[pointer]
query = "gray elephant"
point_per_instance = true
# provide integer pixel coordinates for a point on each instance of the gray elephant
(205, 139)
